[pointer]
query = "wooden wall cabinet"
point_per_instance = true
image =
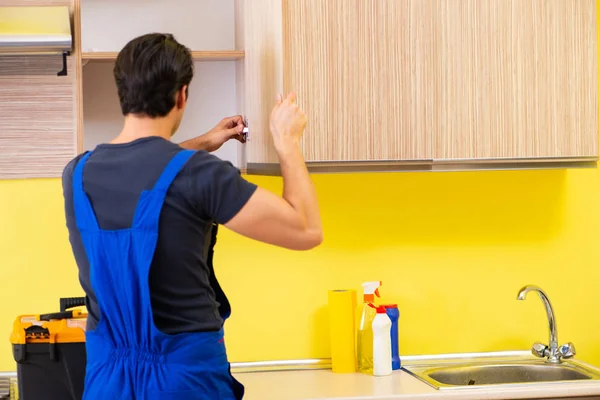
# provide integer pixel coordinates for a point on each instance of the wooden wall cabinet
(38, 116)
(414, 84)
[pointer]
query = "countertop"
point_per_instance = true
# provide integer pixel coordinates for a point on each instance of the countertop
(325, 385)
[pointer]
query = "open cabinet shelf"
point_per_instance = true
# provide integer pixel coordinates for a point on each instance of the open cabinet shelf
(204, 26)
(204, 55)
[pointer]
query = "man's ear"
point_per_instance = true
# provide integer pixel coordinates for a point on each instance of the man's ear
(181, 97)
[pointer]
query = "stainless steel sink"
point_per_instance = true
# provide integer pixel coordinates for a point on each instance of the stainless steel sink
(510, 372)
(499, 374)
(553, 363)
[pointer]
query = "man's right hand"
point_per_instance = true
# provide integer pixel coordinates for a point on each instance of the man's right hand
(294, 221)
(287, 123)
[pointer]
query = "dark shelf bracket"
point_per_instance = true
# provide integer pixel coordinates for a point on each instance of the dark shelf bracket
(63, 72)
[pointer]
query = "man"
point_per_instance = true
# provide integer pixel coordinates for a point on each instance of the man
(142, 215)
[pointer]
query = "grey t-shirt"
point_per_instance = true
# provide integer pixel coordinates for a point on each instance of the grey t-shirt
(207, 191)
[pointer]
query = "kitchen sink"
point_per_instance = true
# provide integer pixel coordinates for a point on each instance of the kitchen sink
(499, 374)
(553, 363)
(459, 375)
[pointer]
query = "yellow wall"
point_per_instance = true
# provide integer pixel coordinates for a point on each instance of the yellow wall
(451, 248)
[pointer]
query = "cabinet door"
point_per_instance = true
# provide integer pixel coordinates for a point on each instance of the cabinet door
(365, 72)
(37, 116)
(518, 79)
(259, 74)
(427, 82)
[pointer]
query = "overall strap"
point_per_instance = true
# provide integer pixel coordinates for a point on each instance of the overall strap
(151, 202)
(84, 213)
(172, 170)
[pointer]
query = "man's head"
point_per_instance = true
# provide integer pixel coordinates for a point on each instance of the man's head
(153, 73)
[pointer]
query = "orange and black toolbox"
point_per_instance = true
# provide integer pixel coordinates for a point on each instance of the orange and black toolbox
(50, 353)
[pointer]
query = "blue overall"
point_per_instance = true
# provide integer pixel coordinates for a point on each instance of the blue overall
(128, 357)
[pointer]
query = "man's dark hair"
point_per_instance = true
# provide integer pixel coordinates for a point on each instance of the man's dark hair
(149, 71)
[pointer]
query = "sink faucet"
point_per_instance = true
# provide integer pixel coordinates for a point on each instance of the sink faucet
(553, 352)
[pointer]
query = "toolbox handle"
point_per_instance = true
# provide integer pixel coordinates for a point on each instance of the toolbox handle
(61, 315)
(71, 302)
(65, 313)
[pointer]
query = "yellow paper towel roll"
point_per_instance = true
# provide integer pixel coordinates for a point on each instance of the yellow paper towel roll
(342, 308)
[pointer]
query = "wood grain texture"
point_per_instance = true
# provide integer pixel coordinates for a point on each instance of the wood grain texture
(37, 111)
(443, 79)
(240, 92)
(263, 73)
(364, 71)
(77, 55)
(37, 116)
(519, 79)
(204, 55)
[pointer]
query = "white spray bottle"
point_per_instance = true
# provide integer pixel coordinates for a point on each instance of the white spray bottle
(382, 343)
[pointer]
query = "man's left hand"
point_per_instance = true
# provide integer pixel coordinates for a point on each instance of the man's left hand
(228, 128)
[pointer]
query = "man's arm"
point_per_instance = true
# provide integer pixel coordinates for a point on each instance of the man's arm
(197, 143)
(228, 128)
(292, 221)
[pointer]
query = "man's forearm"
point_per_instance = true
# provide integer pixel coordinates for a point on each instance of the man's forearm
(197, 143)
(298, 188)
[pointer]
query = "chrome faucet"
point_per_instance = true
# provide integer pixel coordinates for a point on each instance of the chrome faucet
(553, 352)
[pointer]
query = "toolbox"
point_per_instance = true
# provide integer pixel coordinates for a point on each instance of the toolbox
(50, 353)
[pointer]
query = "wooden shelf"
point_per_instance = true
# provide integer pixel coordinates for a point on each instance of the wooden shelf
(205, 55)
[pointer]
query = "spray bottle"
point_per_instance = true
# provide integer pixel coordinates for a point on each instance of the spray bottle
(365, 331)
(382, 343)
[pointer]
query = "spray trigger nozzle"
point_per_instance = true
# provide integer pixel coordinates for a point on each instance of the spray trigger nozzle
(377, 292)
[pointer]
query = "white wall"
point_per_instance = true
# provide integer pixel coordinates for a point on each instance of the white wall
(107, 25)
(199, 24)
